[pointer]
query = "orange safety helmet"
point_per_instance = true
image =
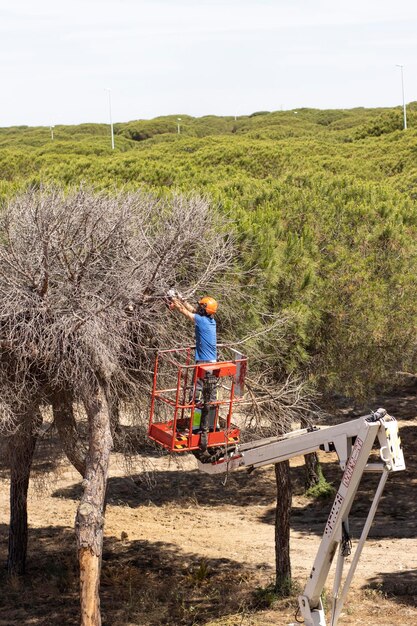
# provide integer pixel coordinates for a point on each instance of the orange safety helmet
(209, 305)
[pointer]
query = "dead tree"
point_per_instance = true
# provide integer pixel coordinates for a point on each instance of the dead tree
(20, 454)
(83, 278)
(89, 522)
(64, 418)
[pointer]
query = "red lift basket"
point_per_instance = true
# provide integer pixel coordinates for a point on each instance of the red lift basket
(175, 409)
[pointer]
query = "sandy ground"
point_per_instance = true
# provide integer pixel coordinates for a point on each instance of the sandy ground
(185, 548)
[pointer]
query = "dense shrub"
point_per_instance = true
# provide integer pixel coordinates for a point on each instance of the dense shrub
(323, 204)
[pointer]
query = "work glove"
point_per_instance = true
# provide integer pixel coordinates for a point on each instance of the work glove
(173, 293)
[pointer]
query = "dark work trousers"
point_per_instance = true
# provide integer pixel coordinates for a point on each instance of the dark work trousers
(199, 400)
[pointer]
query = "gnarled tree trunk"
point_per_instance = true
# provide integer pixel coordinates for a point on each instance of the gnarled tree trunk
(116, 429)
(282, 528)
(312, 470)
(89, 521)
(20, 451)
(67, 429)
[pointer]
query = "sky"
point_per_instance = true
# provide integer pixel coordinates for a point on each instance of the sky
(76, 61)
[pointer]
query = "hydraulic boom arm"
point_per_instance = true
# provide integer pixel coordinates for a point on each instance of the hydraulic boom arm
(353, 442)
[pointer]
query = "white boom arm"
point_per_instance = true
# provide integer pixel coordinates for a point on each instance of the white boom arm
(353, 442)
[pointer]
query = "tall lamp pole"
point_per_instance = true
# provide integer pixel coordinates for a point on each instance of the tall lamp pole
(111, 121)
(178, 125)
(402, 88)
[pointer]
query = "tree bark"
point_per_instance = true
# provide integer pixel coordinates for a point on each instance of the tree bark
(312, 473)
(67, 429)
(20, 450)
(282, 528)
(90, 514)
(312, 466)
(115, 426)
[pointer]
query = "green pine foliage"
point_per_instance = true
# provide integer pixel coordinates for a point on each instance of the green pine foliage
(322, 205)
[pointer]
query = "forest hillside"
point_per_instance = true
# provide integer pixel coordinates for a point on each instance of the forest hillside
(322, 204)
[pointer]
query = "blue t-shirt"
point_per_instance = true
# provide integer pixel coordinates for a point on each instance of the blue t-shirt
(205, 338)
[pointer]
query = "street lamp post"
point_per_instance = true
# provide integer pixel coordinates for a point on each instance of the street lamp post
(178, 125)
(402, 88)
(111, 121)
(51, 128)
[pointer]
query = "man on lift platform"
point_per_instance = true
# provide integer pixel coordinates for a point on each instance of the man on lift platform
(202, 316)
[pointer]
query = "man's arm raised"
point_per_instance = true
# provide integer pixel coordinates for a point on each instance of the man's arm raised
(185, 308)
